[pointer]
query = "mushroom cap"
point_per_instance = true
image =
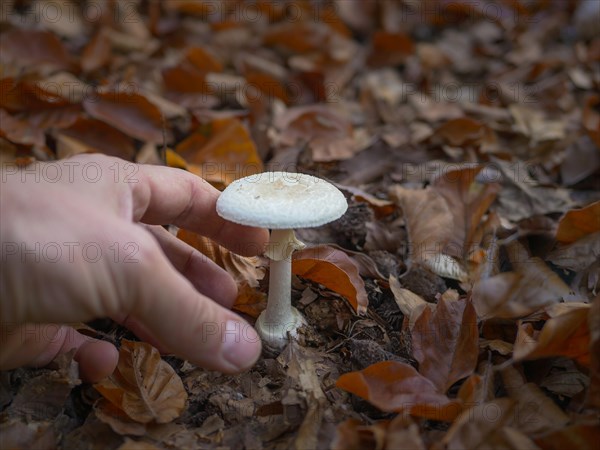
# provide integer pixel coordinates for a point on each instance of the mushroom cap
(281, 200)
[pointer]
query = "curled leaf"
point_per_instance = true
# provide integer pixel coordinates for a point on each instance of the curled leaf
(143, 386)
(335, 270)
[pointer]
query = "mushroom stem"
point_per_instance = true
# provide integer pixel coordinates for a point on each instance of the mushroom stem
(280, 319)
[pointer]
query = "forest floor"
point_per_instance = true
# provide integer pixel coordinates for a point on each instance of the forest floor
(455, 305)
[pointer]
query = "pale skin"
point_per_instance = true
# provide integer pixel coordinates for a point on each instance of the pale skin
(79, 247)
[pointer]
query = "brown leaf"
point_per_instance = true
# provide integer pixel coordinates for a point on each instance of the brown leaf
(95, 136)
(429, 221)
(593, 397)
(203, 60)
(511, 295)
(390, 49)
(468, 200)
(335, 270)
(328, 135)
(566, 334)
(465, 132)
(445, 342)
(400, 433)
(143, 386)
(130, 113)
(250, 301)
(243, 269)
(581, 437)
(591, 118)
(397, 387)
(20, 131)
(27, 48)
(578, 223)
(409, 303)
(97, 52)
(222, 152)
(487, 425)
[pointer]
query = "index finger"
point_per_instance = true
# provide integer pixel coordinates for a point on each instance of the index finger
(166, 195)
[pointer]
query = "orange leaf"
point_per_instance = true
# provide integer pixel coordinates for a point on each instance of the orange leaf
(397, 387)
(143, 386)
(566, 334)
(390, 49)
(131, 113)
(224, 154)
(250, 301)
(445, 342)
(203, 60)
(578, 223)
(335, 270)
(581, 437)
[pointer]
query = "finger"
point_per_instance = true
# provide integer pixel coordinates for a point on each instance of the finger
(185, 322)
(204, 274)
(166, 195)
(37, 345)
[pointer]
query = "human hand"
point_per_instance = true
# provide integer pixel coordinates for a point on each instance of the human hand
(81, 239)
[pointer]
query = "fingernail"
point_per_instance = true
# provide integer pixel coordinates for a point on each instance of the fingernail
(241, 345)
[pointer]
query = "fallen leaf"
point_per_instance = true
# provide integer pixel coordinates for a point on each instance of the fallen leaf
(591, 118)
(143, 386)
(533, 124)
(581, 437)
(512, 295)
(221, 152)
(429, 221)
(250, 301)
(130, 113)
(393, 386)
(400, 433)
(333, 269)
(487, 425)
(95, 136)
(390, 49)
(463, 132)
(409, 303)
(577, 223)
(97, 52)
(468, 201)
(566, 334)
(579, 255)
(31, 48)
(329, 136)
(593, 397)
(445, 342)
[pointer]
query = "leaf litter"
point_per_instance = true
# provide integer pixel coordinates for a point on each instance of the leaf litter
(454, 306)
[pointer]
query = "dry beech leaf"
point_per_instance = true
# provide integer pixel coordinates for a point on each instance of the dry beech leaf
(393, 386)
(250, 301)
(97, 52)
(487, 425)
(591, 118)
(593, 398)
(297, 36)
(31, 97)
(397, 434)
(329, 136)
(468, 200)
(143, 386)
(409, 303)
(130, 113)
(203, 60)
(117, 420)
(511, 295)
(445, 342)
(578, 223)
(30, 48)
(222, 153)
(243, 269)
(335, 270)
(580, 437)
(390, 49)
(566, 334)
(463, 132)
(96, 136)
(429, 221)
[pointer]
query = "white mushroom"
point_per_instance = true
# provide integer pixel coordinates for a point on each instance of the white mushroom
(281, 201)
